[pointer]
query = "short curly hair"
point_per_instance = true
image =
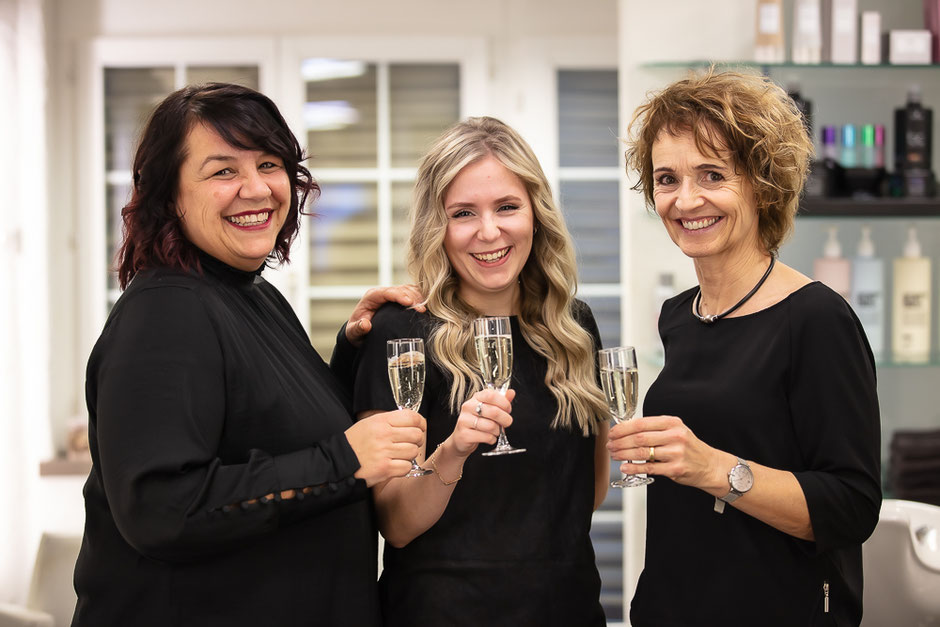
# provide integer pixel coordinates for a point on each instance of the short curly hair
(745, 115)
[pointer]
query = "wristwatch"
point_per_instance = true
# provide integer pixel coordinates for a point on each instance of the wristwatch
(740, 480)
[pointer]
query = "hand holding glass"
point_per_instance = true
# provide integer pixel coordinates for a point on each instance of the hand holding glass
(493, 339)
(619, 381)
(406, 375)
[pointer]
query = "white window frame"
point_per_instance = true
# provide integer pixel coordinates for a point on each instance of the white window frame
(469, 53)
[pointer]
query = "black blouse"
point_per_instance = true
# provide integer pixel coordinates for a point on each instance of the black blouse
(513, 546)
(791, 387)
(204, 392)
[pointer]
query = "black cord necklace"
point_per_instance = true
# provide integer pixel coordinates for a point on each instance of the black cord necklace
(708, 319)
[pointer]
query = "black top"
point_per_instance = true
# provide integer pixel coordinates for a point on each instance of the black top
(203, 392)
(513, 545)
(791, 387)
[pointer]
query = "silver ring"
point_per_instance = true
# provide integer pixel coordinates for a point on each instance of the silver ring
(479, 409)
(475, 421)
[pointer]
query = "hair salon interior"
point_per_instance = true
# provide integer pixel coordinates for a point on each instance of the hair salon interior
(366, 85)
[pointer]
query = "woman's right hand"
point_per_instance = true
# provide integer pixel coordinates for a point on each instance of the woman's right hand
(475, 428)
(385, 444)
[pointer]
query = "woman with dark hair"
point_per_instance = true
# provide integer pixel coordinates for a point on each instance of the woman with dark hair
(229, 483)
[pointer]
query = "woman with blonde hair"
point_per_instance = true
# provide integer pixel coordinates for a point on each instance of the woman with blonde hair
(499, 540)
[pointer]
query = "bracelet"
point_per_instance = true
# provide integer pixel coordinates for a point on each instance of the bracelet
(438, 473)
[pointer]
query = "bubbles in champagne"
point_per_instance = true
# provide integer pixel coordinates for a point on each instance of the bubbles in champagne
(494, 353)
(620, 389)
(406, 375)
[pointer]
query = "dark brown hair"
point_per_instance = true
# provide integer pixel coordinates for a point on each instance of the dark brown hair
(745, 115)
(246, 119)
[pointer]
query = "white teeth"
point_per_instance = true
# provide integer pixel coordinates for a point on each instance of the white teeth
(491, 256)
(694, 225)
(249, 220)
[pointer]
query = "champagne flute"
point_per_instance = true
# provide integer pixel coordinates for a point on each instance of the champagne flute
(406, 375)
(619, 380)
(493, 339)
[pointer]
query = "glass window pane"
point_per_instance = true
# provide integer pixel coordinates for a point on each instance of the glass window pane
(424, 100)
(401, 229)
(587, 118)
(606, 311)
(340, 114)
(117, 197)
(592, 211)
(129, 97)
(344, 235)
(246, 75)
(326, 318)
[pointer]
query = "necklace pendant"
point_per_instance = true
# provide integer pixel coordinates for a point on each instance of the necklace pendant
(708, 319)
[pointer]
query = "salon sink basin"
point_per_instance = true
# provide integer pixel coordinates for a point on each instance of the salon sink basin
(902, 567)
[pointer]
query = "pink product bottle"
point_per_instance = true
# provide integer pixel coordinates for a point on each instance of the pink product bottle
(832, 268)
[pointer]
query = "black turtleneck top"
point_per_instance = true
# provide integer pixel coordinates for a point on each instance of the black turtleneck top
(203, 393)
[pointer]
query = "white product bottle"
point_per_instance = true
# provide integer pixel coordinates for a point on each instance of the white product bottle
(868, 292)
(807, 31)
(832, 268)
(768, 33)
(910, 329)
(664, 290)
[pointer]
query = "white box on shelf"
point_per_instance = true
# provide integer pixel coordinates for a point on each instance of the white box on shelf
(871, 37)
(843, 37)
(910, 47)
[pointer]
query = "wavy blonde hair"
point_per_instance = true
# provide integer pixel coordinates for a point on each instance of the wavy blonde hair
(745, 115)
(548, 279)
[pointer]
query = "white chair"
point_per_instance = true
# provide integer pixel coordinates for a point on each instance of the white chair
(51, 599)
(902, 567)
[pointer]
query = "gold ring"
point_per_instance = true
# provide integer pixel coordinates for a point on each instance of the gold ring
(479, 409)
(652, 457)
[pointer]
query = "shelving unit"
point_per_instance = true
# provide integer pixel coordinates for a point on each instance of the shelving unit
(871, 207)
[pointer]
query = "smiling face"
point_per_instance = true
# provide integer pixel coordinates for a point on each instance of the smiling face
(709, 211)
(489, 234)
(232, 202)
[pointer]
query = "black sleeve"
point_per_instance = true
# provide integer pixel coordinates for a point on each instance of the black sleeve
(585, 317)
(158, 392)
(343, 359)
(834, 407)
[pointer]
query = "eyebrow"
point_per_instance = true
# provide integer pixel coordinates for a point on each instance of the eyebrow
(701, 166)
(216, 158)
(498, 201)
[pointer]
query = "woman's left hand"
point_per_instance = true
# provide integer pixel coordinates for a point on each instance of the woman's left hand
(360, 320)
(666, 447)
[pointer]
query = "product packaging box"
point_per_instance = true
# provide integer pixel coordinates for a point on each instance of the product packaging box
(910, 47)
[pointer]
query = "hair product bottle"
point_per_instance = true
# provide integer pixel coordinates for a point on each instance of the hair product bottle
(910, 329)
(833, 269)
(913, 132)
(807, 32)
(768, 35)
(868, 292)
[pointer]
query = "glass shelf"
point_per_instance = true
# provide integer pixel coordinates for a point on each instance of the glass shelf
(703, 63)
(934, 362)
(870, 207)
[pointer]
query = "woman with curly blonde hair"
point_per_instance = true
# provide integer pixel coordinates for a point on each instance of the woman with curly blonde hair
(763, 425)
(498, 540)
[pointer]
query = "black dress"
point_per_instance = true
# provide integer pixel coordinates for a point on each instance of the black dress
(512, 547)
(203, 392)
(791, 387)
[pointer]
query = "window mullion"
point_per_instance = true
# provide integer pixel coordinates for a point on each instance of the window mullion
(383, 96)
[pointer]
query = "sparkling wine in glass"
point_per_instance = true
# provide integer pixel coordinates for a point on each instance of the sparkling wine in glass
(619, 381)
(406, 375)
(493, 339)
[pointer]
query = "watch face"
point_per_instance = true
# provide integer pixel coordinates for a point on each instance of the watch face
(741, 478)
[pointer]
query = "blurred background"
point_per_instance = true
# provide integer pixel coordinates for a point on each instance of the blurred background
(366, 85)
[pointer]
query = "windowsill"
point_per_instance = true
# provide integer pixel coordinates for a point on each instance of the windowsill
(60, 467)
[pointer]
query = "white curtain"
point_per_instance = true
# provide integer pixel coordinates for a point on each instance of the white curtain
(24, 300)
